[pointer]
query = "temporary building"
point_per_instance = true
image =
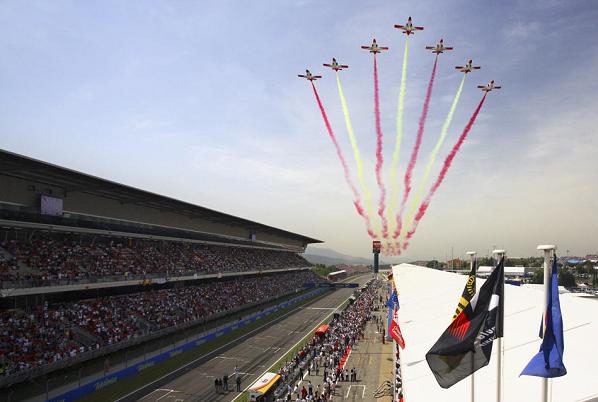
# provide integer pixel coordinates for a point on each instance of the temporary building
(428, 299)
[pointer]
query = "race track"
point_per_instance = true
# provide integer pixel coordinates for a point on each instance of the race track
(253, 356)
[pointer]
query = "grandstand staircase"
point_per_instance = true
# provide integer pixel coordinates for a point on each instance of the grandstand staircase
(23, 268)
(85, 337)
(180, 312)
(143, 324)
(6, 254)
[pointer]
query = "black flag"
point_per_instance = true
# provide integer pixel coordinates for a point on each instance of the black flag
(466, 345)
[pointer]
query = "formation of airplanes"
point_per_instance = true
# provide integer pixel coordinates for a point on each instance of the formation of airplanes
(335, 66)
(374, 48)
(309, 76)
(439, 48)
(407, 29)
(468, 67)
(489, 87)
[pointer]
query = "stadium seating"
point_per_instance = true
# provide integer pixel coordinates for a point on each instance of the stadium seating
(65, 260)
(45, 335)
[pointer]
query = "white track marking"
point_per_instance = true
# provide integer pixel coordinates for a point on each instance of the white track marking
(349, 390)
(231, 358)
(166, 394)
(253, 331)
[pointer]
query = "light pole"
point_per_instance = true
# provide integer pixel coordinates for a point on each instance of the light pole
(471, 255)
(499, 254)
(549, 250)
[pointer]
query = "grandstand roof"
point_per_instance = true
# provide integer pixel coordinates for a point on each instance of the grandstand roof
(26, 168)
(428, 299)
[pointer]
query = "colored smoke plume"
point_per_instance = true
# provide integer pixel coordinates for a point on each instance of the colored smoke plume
(339, 153)
(431, 159)
(415, 151)
(356, 154)
(445, 167)
(394, 165)
(379, 155)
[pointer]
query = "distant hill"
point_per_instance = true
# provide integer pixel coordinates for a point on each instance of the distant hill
(330, 257)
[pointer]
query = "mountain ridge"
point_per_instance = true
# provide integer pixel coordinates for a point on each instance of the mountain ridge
(329, 256)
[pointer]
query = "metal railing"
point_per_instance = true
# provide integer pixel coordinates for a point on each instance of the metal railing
(134, 279)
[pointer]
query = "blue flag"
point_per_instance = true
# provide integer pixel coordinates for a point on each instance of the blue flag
(391, 308)
(391, 299)
(548, 363)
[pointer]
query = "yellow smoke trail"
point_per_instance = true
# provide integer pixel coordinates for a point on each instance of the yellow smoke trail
(431, 159)
(394, 165)
(356, 154)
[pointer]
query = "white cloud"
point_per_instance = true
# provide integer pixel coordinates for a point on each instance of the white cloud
(522, 30)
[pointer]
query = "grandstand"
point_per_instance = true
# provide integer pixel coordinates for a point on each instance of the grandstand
(89, 267)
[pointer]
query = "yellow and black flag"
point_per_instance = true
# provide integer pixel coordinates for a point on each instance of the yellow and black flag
(468, 291)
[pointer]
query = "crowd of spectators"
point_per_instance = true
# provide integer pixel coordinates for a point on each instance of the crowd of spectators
(323, 354)
(46, 334)
(54, 260)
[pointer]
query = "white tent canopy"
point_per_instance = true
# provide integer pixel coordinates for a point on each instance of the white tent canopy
(428, 299)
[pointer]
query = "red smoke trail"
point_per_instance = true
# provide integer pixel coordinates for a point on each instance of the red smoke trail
(445, 167)
(415, 151)
(339, 153)
(391, 248)
(379, 155)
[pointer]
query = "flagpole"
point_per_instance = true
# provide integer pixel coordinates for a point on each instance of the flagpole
(471, 255)
(548, 251)
(499, 373)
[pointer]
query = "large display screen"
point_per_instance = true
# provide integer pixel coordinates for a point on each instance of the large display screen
(376, 246)
(51, 205)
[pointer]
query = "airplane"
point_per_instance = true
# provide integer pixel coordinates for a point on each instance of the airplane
(335, 66)
(467, 68)
(489, 86)
(374, 48)
(408, 28)
(309, 76)
(439, 48)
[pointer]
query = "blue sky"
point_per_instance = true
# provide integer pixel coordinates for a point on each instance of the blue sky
(200, 101)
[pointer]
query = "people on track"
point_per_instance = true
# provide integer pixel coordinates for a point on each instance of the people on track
(329, 351)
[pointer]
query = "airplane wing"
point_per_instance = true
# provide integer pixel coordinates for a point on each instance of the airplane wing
(344, 66)
(327, 65)
(497, 87)
(459, 67)
(481, 86)
(429, 47)
(476, 67)
(419, 28)
(448, 48)
(383, 47)
(400, 26)
(366, 47)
